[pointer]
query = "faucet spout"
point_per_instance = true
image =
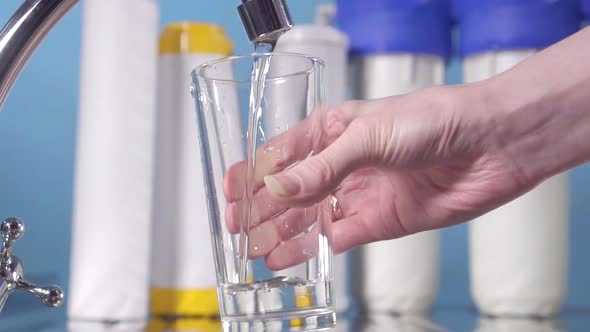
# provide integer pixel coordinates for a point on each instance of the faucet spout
(23, 33)
(265, 20)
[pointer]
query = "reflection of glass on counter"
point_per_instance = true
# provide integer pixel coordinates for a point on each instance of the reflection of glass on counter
(487, 324)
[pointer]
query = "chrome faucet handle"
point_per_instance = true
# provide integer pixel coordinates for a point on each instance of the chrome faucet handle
(12, 229)
(51, 296)
(11, 268)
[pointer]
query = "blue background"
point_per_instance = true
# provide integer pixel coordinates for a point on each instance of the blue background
(37, 144)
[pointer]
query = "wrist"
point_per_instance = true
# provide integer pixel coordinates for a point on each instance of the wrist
(541, 127)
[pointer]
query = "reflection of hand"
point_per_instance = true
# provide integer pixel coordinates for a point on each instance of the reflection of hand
(397, 166)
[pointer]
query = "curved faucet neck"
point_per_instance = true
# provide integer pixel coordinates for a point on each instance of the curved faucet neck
(263, 20)
(22, 34)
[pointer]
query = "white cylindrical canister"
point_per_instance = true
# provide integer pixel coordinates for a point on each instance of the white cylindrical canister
(183, 279)
(519, 252)
(330, 45)
(114, 161)
(398, 275)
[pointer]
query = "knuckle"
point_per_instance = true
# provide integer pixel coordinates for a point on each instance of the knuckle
(322, 168)
(360, 127)
(350, 106)
(372, 234)
(361, 134)
(336, 124)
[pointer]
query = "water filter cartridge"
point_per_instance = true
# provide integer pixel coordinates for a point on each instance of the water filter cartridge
(327, 43)
(396, 48)
(372, 74)
(518, 252)
(330, 45)
(113, 183)
(183, 279)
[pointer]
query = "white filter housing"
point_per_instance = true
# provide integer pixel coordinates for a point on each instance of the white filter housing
(327, 44)
(113, 183)
(519, 252)
(400, 275)
(322, 41)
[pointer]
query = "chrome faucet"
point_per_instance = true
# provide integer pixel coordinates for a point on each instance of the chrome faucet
(22, 34)
(264, 21)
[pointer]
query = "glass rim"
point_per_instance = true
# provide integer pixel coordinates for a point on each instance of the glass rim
(198, 71)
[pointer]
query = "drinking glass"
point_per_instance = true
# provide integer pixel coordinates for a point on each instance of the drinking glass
(259, 114)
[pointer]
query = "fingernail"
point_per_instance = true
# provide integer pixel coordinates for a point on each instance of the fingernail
(282, 185)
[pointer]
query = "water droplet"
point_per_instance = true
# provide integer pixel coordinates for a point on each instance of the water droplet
(192, 89)
(256, 248)
(269, 149)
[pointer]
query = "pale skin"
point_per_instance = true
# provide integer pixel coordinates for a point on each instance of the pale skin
(421, 161)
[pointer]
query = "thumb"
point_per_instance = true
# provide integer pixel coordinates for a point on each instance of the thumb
(316, 177)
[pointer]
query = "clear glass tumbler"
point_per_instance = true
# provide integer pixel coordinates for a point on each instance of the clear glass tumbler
(259, 114)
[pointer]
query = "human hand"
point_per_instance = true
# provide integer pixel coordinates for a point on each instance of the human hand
(397, 166)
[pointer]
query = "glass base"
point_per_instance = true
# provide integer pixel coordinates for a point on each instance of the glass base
(298, 320)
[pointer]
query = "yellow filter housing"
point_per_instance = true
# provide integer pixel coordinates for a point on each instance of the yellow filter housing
(194, 37)
(181, 289)
(184, 302)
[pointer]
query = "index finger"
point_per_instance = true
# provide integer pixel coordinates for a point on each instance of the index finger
(279, 153)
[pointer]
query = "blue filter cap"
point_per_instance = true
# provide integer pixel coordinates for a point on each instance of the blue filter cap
(394, 26)
(586, 8)
(488, 25)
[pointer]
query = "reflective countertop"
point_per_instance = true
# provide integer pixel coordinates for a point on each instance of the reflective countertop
(442, 319)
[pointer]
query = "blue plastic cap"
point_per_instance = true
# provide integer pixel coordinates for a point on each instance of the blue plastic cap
(586, 6)
(487, 25)
(392, 26)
